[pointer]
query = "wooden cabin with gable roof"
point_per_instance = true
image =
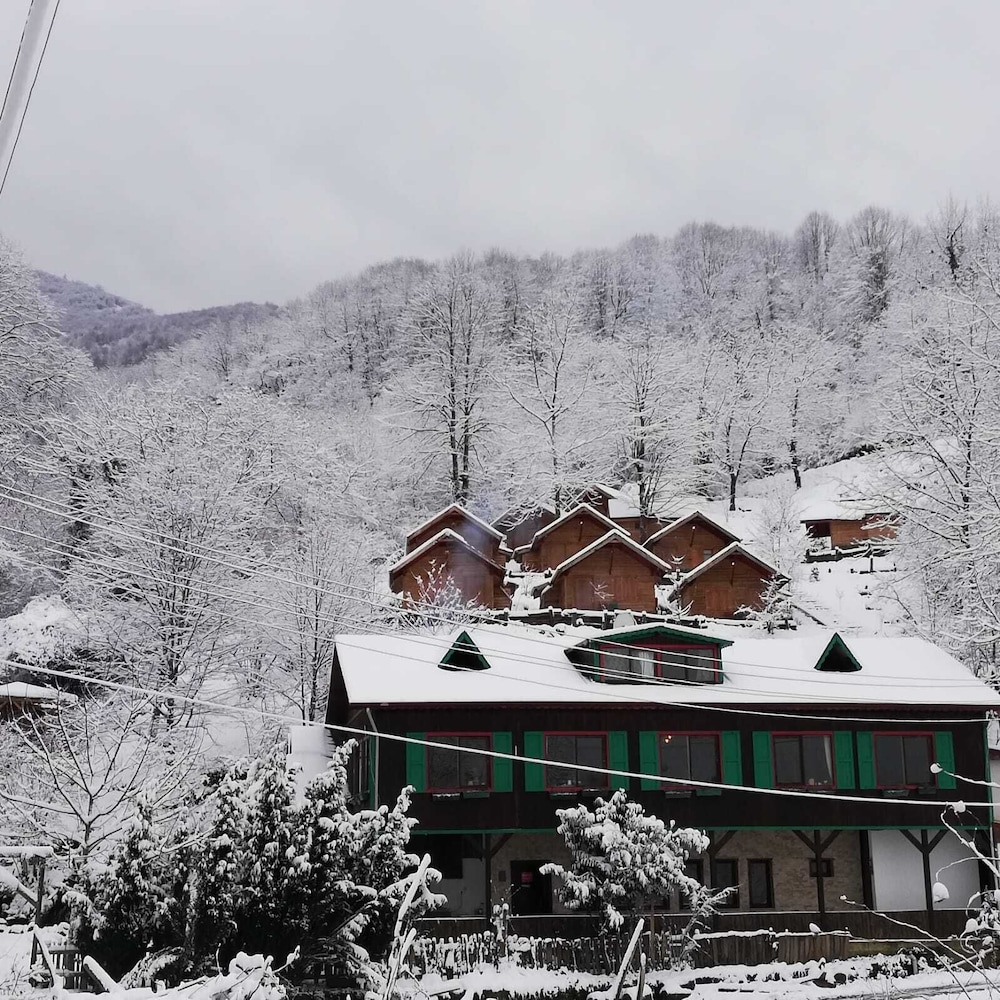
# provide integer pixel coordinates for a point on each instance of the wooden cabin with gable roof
(722, 585)
(564, 537)
(689, 541)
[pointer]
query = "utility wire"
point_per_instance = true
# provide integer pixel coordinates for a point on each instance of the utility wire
(436, 643)
(495, 754)
(34, 80)
(115, 527)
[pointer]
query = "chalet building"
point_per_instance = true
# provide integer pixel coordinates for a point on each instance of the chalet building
(564, 537)
(483, 537)
(19, 699)
(724, 584)
(611, 572)
(446, 564)
(833, 526)
(690, 541)
(806, 758)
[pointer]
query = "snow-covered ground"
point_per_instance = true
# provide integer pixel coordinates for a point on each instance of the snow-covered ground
(15, 957)
(858, 977)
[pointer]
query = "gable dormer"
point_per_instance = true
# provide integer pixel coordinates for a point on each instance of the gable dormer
(652, 654)
(837, 658)
(464, 654)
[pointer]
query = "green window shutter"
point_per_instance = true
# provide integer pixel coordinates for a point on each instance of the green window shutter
(649, 759)
(416, 763)
(763, 763)
(944, 754)
(503, 770)
(843, 752)
(534, 774)
(866, 760)
(732, 758)
(618, 758)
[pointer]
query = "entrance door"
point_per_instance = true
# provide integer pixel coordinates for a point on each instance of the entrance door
(530, 891)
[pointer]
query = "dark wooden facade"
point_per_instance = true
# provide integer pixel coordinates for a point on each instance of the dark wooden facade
(688, 542)
(563, 538)
(481, 537)
(845, 533)
(722, 589)
(518, 809)
(611, 577)
(450, 561)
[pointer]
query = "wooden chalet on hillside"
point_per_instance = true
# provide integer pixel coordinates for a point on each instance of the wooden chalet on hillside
(836, 526)
(582, 560)
(807, 759)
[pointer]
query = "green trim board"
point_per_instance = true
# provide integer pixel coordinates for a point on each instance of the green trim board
(837, 658)
(464, 654)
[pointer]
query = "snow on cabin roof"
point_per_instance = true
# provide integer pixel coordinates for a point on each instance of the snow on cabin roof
(616, 536)
(681, 521)
(22, 691)
(732, 549)
(445, 534)
(832, 510)
(528, 666)
(559, 521)
(455, 508)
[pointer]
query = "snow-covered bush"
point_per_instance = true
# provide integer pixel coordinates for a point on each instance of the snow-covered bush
(623, 859)
(259, 872)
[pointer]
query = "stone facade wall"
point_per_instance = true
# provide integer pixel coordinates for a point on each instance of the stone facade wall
(794, 887)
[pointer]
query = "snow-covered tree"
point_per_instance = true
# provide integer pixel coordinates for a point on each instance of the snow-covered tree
(623, 860)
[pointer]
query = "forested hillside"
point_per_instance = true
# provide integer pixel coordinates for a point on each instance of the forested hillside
(213, 521)
(115, 331)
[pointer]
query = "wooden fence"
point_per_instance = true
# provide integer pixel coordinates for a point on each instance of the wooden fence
(602, 954)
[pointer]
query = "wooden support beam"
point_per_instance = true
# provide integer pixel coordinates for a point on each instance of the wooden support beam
(818, 844)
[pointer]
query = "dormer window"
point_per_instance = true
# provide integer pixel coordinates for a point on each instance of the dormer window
(682, 663)
(837, 658)
(464, 655)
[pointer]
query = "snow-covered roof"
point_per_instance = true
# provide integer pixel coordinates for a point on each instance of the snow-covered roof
(616, 536)
(518, 513)
(444, 535)
(732, 549)
(833, 510)
(22, 691)
(681, 521)
(455, 508)
(530, 666)
(583, 508)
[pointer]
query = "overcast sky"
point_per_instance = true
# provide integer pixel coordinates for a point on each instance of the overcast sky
(187, 153)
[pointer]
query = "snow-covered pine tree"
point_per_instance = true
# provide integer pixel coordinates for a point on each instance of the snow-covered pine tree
(623, 859)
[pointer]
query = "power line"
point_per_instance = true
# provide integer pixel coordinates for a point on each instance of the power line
(610, 695)
(17, 59)
(34, 80)
(115, 527)
(495, 754)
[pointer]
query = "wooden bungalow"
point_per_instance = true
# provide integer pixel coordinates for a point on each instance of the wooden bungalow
(689, 541)
(723, 584)
(519, 526)
(481, 536)
(449, 566)
(19, 698)
(841, 531)
(806, 758)
(564, 537)
(611, 572)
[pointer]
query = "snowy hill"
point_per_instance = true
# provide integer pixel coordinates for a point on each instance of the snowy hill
(116, 331)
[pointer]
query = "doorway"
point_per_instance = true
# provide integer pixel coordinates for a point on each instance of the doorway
(530, 890)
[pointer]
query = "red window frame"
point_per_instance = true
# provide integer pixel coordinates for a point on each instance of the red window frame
(600, 780)
(926, 734)
(436, 737)
(815, 732)
(707, 652)
(717, 734)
